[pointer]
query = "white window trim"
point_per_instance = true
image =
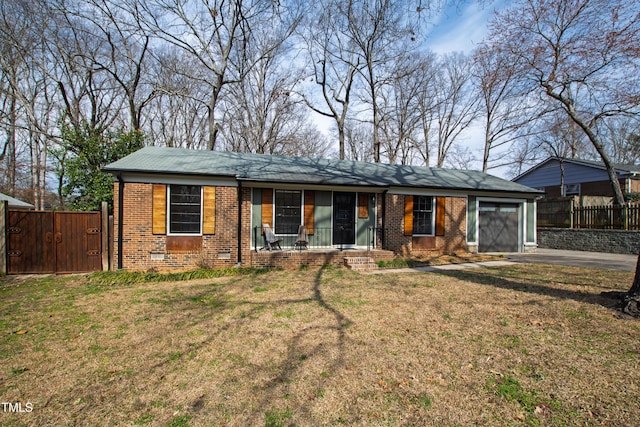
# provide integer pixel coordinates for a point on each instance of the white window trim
(433, 217)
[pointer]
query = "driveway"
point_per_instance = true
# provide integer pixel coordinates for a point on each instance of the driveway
(577, 259)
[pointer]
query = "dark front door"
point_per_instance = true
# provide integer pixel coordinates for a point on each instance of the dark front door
(344, 218)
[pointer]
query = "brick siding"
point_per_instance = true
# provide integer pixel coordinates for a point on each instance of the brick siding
(142, 250)
(455, 225)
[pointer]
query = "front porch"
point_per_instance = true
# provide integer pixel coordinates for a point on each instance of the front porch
(314, 257)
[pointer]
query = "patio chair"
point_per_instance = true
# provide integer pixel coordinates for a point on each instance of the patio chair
(303, 240)
(270, 239)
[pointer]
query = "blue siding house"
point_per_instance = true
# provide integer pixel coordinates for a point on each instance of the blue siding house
(559, 177)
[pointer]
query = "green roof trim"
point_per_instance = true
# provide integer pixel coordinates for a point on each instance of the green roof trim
(264, 168)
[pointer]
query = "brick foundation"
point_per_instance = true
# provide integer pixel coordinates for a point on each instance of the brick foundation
(313, 258)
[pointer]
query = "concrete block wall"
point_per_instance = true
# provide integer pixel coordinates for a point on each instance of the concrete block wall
(611, 241)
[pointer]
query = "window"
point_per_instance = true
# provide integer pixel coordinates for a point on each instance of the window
(288, 211)
(185, 209)
(572, 189)
(423, 215)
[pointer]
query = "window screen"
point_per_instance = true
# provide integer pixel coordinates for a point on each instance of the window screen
(184, 209)
(423, 215)
(288, 211)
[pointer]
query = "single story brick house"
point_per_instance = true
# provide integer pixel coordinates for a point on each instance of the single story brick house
(179, 208)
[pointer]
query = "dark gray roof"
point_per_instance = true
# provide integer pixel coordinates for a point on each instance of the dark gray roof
(301, 170)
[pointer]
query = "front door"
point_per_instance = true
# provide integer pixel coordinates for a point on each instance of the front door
(344, 218)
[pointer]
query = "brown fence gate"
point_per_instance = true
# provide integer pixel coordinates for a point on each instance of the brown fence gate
(54, 242)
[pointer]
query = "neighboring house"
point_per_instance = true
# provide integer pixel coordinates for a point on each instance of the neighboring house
(178, 208)
(559, 177)
(15, 203)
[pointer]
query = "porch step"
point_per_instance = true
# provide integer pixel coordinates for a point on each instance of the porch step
(360, 263)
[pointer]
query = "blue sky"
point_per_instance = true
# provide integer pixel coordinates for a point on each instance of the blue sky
(461, 25)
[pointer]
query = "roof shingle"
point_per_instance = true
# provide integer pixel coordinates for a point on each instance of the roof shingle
(302, 170)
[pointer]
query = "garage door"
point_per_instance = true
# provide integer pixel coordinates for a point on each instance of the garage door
(498, 227)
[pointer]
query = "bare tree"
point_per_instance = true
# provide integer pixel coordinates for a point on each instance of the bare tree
(335, 64)
(176, 116)
(27, 93)
(455, 107)
(213, 33)
(264, 114)
(624, 140)
(402, 102)
(581, 55)
(507, 112)
(124, 53)
(376, 28)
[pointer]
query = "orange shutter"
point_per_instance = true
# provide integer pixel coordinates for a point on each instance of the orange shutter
(440, 216)
(408, 215)
(267, 207)
(208, 210)
(309, 205)
(159, 208)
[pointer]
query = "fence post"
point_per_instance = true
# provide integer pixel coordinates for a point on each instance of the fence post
(571, 212)
(4, 214)
(626, 216)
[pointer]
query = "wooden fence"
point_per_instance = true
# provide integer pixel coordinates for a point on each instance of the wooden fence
(566, 214)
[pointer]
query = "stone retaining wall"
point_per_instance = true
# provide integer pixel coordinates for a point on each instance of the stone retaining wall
(612, 241)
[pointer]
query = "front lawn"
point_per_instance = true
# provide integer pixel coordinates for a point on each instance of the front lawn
(517, 345)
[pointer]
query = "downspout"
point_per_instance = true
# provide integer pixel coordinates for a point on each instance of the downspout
(240, 223)
(120, 215)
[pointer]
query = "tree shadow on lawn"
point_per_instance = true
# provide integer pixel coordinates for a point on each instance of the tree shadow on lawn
(320, 344)
(504, 278)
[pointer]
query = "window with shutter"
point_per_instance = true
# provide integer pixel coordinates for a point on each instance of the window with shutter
(185, 209)
(424, 215)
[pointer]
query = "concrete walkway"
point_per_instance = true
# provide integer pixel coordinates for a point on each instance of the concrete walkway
(599, 260)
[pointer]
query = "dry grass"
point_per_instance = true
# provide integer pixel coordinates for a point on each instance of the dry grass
(521, 345)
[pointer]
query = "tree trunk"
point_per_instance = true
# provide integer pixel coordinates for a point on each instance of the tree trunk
(631, 300)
